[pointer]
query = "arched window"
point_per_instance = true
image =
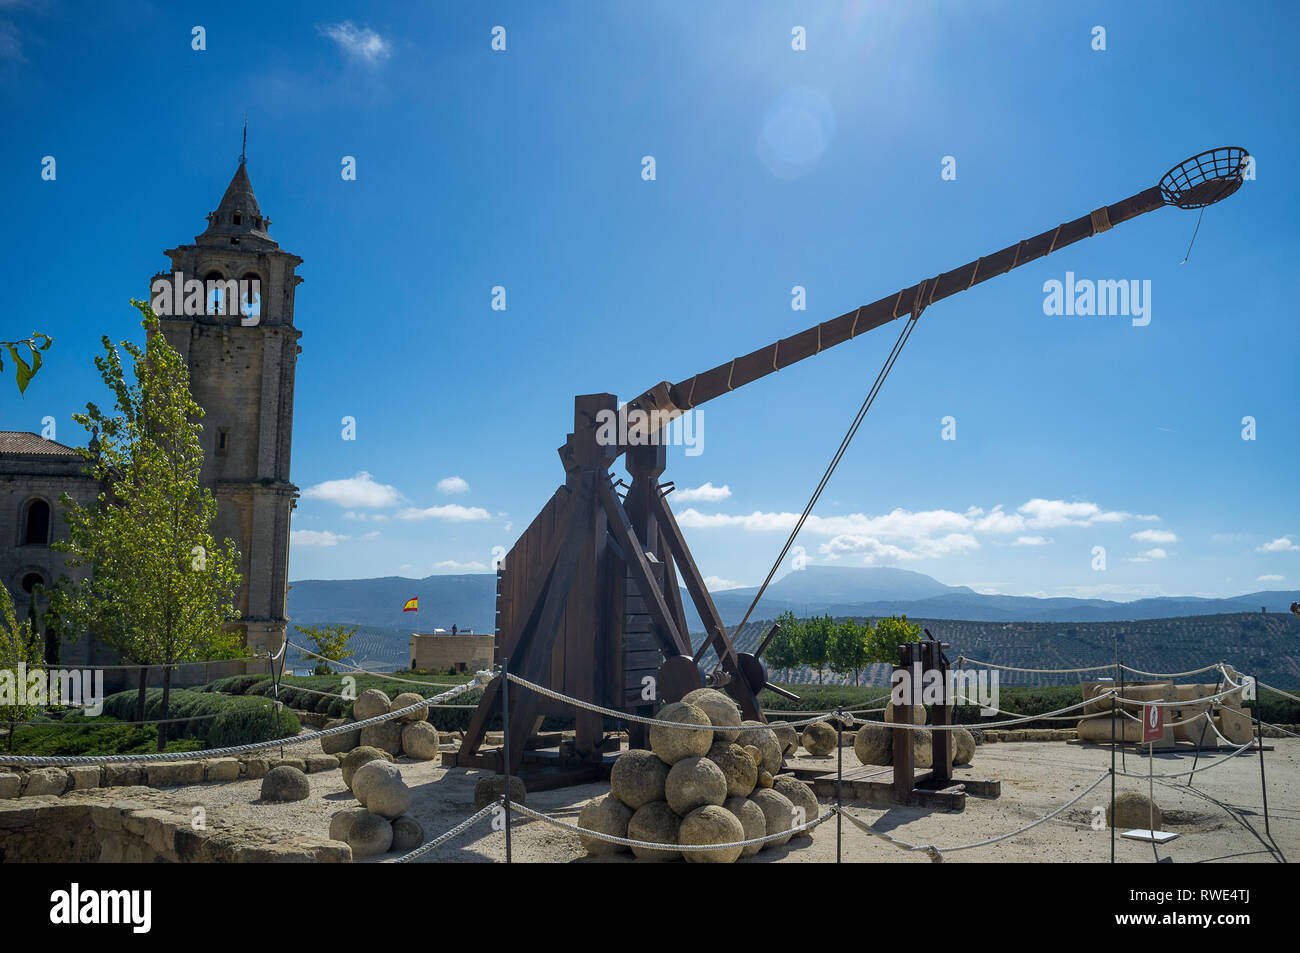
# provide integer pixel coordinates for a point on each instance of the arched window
(238, 219)
(251, 295)
(36, 527)
(30, 581)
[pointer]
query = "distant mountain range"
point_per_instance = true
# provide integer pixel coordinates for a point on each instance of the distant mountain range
(469, 601)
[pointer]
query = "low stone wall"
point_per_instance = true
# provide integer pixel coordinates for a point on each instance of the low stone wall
(106, 827)
(41, 782)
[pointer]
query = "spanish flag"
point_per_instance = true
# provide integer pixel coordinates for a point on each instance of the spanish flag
(412, 605)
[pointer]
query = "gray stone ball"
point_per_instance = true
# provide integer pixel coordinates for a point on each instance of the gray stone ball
(285, 784)
(694, 782)
(344, 741)
(387, 795)
(493, 786)
(672, 744)
(654, 823)
(737, 767)
(1133, 810)
(341, 822)
(420, 741)
(819, 739)
(357, 757)
(721, 709)
(386, 735)
(408, 833)
(711, 824)
(751, 820)
(778, 813)
(963, 746)
(370, 835)
(787, 737)
(874, 744)
(918, 714)
(406, 700)
(371, 773)
(638, 777)
(764, 739)
(370, 703)
(922, 748)
(604, 815)
(801, 796)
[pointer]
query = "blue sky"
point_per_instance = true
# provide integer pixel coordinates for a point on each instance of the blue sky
(819, 168)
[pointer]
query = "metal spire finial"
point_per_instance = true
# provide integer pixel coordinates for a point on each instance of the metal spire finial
(244, 147)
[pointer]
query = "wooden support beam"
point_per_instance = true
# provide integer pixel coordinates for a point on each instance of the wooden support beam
(673, 642)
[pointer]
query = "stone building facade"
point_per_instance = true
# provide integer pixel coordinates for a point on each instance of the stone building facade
(441, 651)
(241, 367)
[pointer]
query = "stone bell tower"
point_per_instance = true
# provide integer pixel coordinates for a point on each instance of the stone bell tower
(242, 374)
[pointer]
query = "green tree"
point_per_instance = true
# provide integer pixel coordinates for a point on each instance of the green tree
(815, 643)
(25, 369)
(17, 645)
(333, 642)
(782, 652)
(888, 635)
(849, 650)
(160, 591)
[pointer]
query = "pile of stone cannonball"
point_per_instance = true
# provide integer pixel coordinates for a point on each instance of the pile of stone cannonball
(697, 787)
(410, 736)
(874, 744)
(380, 823)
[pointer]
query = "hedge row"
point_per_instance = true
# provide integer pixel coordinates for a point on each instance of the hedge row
(238, 721)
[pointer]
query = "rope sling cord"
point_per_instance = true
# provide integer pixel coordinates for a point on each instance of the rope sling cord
(917, 308)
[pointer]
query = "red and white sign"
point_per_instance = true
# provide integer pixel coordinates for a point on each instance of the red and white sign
(1153, 722)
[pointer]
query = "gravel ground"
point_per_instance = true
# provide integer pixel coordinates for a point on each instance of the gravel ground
(1220, 817)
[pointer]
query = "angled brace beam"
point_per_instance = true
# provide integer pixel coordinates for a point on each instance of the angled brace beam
(695, 586)
(672, 641)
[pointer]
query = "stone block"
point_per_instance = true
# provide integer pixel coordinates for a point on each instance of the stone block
(45, 781)
(84, 776)
(164, 774)
(221, 769)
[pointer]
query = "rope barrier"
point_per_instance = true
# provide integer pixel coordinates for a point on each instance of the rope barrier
(54, 761)
(640, 719)
(1042, 671)
(454, 832)
(1277, 690)
(628, 842)
(936, 853)
(1184, 774)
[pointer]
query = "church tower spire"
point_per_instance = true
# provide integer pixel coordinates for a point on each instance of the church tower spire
(242, 368)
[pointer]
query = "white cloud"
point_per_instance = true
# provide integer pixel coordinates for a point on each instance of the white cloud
(717, 583)
(903, 534)
(1270, 577)
(1156, 553)
(1154, 536)
(1046, 514)
(1031, 541)
(363, 44)
(452, 565)
(360, 491)
(373, 534)
(705, 493)
(1282, 544)
(453, 484)
(312, 537)
(366, 517)
(452, 512)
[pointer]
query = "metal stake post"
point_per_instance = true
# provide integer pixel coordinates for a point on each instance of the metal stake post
(505, 735)
(1112, 777)
(839, 783)
(1259, 744)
